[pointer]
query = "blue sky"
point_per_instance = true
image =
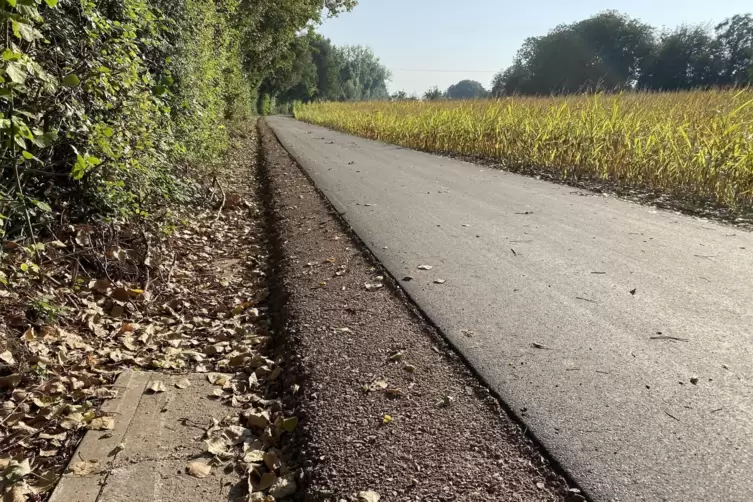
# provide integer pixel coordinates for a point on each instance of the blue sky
(475, 38)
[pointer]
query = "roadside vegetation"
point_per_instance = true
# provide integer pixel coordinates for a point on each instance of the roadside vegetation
(693, 144)
(126, 147)
(607, 100)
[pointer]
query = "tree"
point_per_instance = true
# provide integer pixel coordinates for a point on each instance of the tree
(467, 89)
(403, 96)
(362, 75)
(433, 94)
(510, 81)
(328, 66)
(735, 37)
(612, 51)
(295, 79)
(685, 58)
(604, 51)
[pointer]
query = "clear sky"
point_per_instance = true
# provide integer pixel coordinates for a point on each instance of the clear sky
(476, 38)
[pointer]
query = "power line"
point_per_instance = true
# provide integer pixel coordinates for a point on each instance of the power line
(427, 70)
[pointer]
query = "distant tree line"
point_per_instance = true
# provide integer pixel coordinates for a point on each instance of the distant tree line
(318, 70)
(611, 51)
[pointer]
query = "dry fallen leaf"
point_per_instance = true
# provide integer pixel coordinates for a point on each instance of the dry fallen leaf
(283, 487)
(16, 471)
(183, 383)
(289, 424)
(253, 456)
(217, 446)
(156, 387)
(18, 493)
(217, 379)
(102, 424)
(85, 467)
(267, 480)
(439, 281)
(380, 385)
(258, 419)
(425, 267)
(368, 496)
(397, 356)
(198, 469)
(7, 358)
(445, 402)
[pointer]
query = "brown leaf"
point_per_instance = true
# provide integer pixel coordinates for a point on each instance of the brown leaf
(10, 381)
(183, 383)
(199, 469)
(7, 358)
(368, 496)
(289, 424)
(267, 480)
(102, 424)
(85, 467)
(258, 419)
(283, 487)
(156, 387)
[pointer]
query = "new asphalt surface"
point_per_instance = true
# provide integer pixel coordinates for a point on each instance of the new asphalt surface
(620, 334)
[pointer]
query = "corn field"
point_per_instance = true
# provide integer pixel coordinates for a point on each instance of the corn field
(694, 144)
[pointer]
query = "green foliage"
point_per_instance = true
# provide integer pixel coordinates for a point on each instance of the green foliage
(102, 101)
(317, 70)
(265, 104)
(433, 94)
(467, 89)
(43, 309)
(611, 51)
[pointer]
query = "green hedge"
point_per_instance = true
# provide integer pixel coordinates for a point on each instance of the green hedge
(99, 101)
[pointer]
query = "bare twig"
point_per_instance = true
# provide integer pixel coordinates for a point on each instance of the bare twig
(222, 204)
(665, 337)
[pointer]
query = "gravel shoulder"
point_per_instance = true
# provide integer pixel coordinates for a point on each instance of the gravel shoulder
(385, 405)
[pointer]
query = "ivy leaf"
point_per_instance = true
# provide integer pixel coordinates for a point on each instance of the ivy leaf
(26, 32)
(16, 73)
(10, 55)
(46, 139)
(79, 168)
(71, 80)
(51, 3)
(12, 3)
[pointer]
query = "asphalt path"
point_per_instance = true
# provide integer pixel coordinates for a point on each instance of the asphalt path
(620, 334)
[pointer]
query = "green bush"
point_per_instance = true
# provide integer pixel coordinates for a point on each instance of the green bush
(104, 104)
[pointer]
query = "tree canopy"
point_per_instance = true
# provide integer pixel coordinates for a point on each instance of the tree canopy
(318, 70)
(613, 51)
(466, 89)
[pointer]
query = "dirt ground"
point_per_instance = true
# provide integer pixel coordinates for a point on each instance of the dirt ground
(386, 406)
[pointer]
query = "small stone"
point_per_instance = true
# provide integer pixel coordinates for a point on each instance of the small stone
(694, 380)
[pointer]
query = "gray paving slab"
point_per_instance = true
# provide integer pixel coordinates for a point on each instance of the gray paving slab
(161, 433)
